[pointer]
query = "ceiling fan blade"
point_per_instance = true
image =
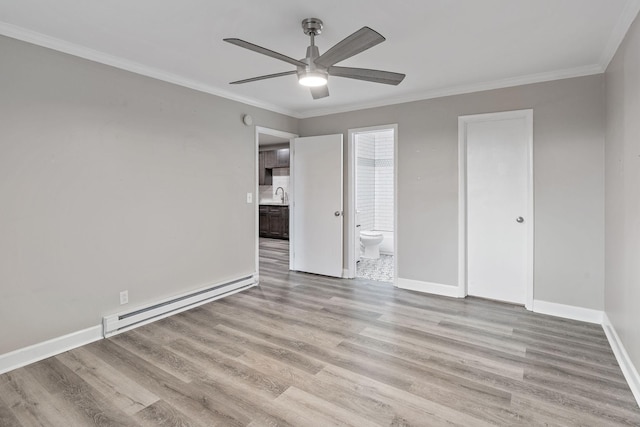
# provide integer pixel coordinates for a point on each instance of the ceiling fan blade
(320, 92)
(265, 51)
(268, 76)
(357, 42)
(377, 76)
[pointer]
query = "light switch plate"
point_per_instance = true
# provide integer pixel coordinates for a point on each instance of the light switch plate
(249, 197)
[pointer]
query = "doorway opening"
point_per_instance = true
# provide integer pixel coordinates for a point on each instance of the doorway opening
(371, 227)
(273, 163)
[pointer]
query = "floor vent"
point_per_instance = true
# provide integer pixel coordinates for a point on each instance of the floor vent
(114, 324)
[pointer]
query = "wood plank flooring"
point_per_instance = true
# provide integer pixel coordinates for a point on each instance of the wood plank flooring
(305, 350)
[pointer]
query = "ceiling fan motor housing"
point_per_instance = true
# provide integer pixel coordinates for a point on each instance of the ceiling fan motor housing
(312, 26)
(312, 54)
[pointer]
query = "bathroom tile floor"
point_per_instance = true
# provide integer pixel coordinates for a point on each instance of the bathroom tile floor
(376, 269)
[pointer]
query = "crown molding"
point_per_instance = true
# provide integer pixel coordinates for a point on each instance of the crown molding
(629, 13)
(463, 89)
(631, 10)
(33, 37)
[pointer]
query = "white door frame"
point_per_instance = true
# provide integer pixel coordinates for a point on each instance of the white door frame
(281, 134)
(462, 197)
(350, 272)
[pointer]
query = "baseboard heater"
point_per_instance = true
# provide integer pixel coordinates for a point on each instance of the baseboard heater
(116, 323)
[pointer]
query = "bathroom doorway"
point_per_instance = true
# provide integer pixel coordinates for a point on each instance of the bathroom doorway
(371, 223)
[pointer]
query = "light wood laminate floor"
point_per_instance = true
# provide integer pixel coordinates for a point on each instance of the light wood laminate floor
(305, 350)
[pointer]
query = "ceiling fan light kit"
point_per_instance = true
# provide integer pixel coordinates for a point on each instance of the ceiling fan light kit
(314, 70)
(312, 78)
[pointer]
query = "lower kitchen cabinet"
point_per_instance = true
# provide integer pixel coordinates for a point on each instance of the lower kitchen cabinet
(263, 221)
(285, 222)
(274, 221)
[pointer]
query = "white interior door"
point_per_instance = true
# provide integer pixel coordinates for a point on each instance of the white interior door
(499, 208)
(317, 220)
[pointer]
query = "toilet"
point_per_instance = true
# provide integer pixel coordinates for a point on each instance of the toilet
(370, 243)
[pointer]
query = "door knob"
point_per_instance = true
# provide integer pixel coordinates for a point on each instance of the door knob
(520, 219)
(337, 213)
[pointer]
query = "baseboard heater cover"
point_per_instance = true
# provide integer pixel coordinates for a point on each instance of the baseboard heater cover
(117, 323)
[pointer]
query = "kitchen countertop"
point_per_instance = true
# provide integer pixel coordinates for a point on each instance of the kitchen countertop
(273, 203)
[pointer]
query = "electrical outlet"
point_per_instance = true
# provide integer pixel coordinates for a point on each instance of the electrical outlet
(124, 297)
(249, 197)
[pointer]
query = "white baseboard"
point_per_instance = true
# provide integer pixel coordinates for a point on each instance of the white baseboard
(628, 368)
(34, 353)
(568, 311)
(428, 287)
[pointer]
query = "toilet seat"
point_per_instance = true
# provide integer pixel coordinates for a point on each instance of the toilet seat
(371, 233)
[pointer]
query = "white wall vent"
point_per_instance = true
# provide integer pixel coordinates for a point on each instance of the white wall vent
(116, 323)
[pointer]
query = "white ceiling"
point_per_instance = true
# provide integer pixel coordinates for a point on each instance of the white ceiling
(443, 46)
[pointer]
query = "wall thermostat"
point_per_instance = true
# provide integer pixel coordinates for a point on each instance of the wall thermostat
(247, 120)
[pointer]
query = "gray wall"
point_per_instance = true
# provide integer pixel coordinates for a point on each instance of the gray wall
(112, 181)
(569, 182)
(622, 165)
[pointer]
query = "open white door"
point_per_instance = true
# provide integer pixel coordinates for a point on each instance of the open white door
(316, 214)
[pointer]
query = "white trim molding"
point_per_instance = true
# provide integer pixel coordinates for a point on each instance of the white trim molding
(429, 287)
(568, 73)
(84, 52)
(30, 36)
(568, 311)
(626, 365)
(34, 353)
(628, 15)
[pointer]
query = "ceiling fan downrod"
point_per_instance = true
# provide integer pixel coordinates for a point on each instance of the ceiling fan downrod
(311, 75)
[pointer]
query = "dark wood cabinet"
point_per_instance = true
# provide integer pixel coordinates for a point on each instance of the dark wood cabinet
(263, 221)
(274, 222)
(270, 159)
(282, 158)
(265, 176)
(285, 222)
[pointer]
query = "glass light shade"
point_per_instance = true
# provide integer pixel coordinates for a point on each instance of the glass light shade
(313, 79)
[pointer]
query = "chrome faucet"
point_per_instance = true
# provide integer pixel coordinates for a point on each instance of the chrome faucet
(282, 197)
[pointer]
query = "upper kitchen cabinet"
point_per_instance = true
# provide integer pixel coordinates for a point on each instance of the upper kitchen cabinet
(282, 158)
(265, 176)
(270, 159)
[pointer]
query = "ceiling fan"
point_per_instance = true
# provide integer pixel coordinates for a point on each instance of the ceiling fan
(314, 69)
